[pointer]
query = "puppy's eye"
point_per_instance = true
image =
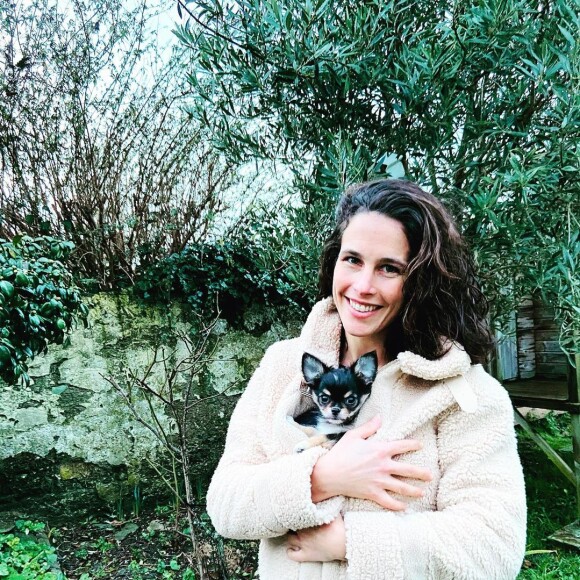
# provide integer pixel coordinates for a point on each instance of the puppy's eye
(351, 401)
(323, 399)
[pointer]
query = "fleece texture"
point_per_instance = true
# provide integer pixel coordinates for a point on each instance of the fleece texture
(471, 522)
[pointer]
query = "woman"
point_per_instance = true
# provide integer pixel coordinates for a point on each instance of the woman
(429, 484)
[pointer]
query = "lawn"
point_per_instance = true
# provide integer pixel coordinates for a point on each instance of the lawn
(551, 502)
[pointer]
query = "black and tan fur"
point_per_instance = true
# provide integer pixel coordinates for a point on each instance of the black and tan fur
(339, 393)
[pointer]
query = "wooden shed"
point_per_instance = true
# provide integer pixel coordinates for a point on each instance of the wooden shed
(537, 373)
(529, 348)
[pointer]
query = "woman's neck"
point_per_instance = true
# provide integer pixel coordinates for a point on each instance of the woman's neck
(352, 348)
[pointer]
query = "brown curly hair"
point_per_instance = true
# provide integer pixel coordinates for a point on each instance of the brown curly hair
(441, 295)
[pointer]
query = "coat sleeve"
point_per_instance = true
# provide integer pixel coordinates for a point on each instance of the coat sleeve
(252, 497)
(479, 528)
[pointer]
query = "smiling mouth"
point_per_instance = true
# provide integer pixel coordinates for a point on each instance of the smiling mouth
(362, 307)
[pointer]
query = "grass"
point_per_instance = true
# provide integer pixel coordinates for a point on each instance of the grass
(551, 502)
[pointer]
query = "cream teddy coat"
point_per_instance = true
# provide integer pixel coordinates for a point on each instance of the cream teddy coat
(471, 522)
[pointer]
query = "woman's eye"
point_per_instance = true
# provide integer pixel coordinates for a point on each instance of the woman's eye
(351, 260)
(391, 270)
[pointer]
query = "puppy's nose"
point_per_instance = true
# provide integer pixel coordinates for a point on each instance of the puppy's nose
(335, 411)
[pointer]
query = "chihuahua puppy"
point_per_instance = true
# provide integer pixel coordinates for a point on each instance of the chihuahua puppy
(339, 394)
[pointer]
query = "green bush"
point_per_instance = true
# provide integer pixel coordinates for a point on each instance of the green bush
(23, 557)
(255, 263)
(38, 301)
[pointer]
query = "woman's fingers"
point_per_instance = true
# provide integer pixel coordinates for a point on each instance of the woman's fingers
(402, 469)
(319, 544)
(365, 430)
(368, 469)
(388, 502)
(401, 446)
(397, 486)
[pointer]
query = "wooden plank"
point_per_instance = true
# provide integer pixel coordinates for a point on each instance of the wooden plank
(547, 324)
(526, 339)
(547, 403)
(538, 388)
(507, 351)
(525, 323)
(574, 395)
(551, 371)
(543, 311)
(562, 466)
(551, 357)
(548, 346)
(569, 535)
(576, 449)
(547, 335)
(554, 368)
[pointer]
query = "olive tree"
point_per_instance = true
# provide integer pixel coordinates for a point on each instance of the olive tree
(477, 101)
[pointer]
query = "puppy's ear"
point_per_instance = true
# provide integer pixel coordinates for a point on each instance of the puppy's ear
(366, 367)
(312, 368)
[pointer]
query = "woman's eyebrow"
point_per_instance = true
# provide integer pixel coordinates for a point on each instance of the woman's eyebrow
(395, 261)
(356, 254)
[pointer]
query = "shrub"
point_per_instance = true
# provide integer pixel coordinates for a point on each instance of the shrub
(267, 258)
(38, 301)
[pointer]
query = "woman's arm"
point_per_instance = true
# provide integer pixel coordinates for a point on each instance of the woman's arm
(251, 497)
(479, 528)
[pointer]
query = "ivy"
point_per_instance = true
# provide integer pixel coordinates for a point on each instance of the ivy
(38, 301)
(253, 264)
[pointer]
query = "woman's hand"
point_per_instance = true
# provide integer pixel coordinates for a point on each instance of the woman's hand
(320, 544)
(363, 468)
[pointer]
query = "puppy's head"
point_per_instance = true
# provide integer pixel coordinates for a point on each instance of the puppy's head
(339, 393)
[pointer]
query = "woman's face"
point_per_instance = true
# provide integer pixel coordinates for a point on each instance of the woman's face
(367, 285)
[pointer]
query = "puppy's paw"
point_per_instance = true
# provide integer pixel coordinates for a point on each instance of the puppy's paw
(313, 442)
(302, 446)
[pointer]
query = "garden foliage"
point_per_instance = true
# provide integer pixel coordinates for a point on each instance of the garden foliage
(253, 264)
(38, 301)
(479, 101)
(23, 557)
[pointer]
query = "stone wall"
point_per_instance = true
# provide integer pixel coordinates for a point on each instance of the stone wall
(70, 423)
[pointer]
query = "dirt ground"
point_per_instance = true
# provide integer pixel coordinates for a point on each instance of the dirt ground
(148, 547)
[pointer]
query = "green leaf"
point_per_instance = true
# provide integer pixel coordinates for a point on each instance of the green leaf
(174, 565)
(35, 320)
(127, 529)
(5, 353)
(6, 288)
(22, 279)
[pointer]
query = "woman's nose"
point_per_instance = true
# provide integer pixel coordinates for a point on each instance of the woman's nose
(364, 282)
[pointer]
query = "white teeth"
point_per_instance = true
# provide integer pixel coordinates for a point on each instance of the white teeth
(362, 307)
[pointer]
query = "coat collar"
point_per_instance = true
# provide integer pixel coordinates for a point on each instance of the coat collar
(321, 337)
